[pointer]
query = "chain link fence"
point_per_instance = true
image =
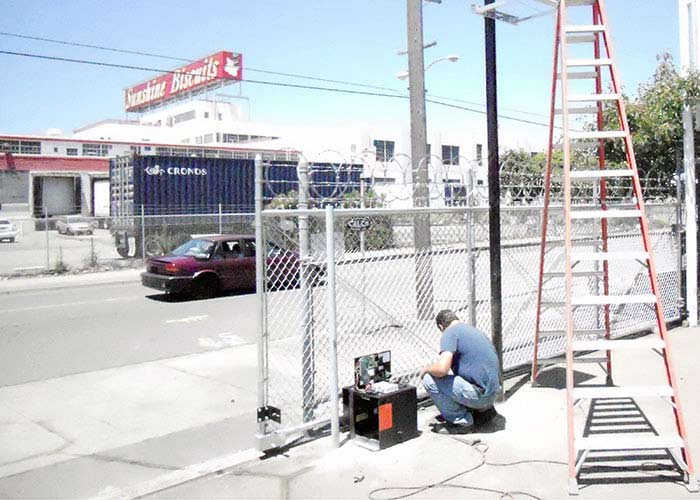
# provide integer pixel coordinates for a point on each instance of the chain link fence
(391, 277)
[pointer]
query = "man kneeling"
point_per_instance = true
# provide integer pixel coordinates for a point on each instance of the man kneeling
(463, 383)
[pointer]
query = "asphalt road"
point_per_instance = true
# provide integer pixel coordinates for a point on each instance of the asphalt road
(52, 333)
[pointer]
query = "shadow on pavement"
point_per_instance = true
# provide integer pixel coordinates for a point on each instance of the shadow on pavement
(183, 297)
(555, 378)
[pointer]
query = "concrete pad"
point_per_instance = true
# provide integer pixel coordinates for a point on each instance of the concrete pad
(18, 440)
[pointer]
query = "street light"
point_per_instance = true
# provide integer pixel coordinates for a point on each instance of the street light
(403, 75)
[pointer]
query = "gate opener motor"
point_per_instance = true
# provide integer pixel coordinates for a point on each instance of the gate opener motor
(380, 413)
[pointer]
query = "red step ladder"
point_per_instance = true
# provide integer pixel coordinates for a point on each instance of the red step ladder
(588, 260)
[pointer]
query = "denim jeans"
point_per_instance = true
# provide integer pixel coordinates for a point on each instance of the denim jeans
(454, 397)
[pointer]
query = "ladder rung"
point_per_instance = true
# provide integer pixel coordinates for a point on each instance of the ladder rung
(562, 359)
(589, 110)
(605, 214)
(613, 345)
(602, 300)
(577, 63)
(593, 97)
(639, 391)
(597, 174)
(579, 75)
(580, 39)
(599, 134)
(627, 442)
(584, 28)
(578, 145)
(559, 333)
(578, 3)
(575, 274)
(579, 243)
(552, 303)
(603, 256)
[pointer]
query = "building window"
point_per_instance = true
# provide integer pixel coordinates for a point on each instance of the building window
(208, 138)
(96, 149)
(147, 148)
(479, 153)
(198, 139)
(385, 150)
(183, 117)
(72, 151)
(450, 155)
(480, 182)
(220, 117)
(55, 150)
(206, 114)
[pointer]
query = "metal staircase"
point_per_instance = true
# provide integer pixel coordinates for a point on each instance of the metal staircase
(587, 261)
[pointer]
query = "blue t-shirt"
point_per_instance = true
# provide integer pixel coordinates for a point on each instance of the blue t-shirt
(474, 357)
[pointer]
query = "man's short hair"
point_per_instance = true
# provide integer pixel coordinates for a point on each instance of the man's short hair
(445, 317)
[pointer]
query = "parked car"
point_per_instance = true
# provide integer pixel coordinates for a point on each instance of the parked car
(8, 231)
(206, 265)
(74, 224)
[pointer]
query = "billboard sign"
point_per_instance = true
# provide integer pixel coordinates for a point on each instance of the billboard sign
(210, 70)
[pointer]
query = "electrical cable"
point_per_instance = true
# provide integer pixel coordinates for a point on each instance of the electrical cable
(481, 448)
(262, 82)
(256, 70)
(162, 56)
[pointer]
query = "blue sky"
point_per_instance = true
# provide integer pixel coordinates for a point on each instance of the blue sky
(354, 40)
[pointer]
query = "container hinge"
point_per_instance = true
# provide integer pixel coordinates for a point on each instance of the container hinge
(266, 413)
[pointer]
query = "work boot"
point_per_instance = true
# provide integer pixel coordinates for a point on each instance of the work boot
(482, 417)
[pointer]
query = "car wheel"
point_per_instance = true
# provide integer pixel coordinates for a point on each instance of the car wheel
(89, 233)
(205, 287)
(12, 240)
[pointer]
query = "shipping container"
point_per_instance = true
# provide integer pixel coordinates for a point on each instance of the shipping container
(145, 190)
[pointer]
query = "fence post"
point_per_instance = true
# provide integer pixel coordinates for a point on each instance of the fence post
(307, 360)
(143, 232)
(332, 331)
(260, 291)
(471, 264)
(220, 224)
(46, 230)
(678, 233)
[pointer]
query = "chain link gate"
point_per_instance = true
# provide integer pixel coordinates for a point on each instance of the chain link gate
(381, 285)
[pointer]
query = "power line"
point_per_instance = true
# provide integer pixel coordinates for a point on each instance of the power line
(262, 82)
(264, 71)
(162, 56)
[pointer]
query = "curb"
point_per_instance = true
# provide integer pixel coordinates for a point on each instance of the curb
(28, 287)
(178, 477)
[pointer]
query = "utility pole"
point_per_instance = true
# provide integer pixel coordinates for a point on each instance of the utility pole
(494, 186)
(419, 160)
(688, 19)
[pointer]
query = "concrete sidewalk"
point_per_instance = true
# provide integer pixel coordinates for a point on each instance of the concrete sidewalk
(81, 435)
(526, 459)
(55, 282)
(177, 428)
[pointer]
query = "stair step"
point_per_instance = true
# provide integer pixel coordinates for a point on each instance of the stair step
(560, 333)
(605, 214)
(603, 256)
(580, 39)
(614, 345)
(579, 75)
(588, 110)
(593, 97)
(599, 134)
(638, 391)
(627, 442)
(584, 28)
(602, 300)
(577, 63)
(598, 174)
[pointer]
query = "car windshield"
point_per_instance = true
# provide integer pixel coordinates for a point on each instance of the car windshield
(75, 218)
(4, 222)
(195, 248)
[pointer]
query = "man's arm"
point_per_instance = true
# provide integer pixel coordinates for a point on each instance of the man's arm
(441, 367)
